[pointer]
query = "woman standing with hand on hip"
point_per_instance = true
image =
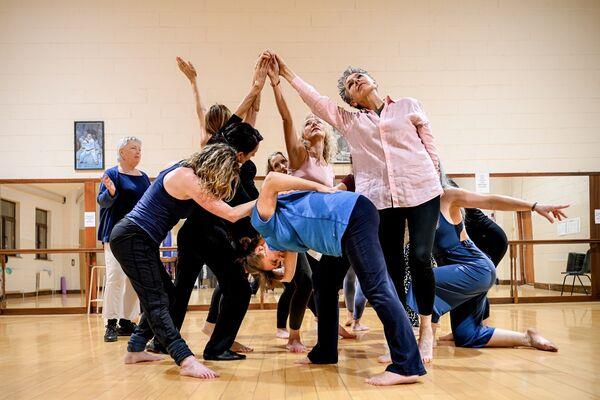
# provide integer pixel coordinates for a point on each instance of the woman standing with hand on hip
(396, 166)
(121, 188)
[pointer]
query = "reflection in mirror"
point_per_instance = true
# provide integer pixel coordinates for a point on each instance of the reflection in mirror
(37, 216)
(540, 267)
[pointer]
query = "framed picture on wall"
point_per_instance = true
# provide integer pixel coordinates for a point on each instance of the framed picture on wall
(88, 148)
(343, 149)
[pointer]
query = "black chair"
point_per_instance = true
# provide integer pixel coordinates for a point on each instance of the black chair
(578, 265)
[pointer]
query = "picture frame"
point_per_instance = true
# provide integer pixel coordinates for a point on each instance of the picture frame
(343, 149)
(88, 145)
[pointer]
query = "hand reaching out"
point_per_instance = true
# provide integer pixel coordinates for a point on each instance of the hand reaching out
(187, 68)
(551, 211)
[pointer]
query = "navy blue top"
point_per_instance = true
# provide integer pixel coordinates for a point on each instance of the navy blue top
(157, 211)
(447, 235)
(307, 220)
(129, 190)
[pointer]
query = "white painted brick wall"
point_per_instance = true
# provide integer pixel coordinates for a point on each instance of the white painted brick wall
(508, 85)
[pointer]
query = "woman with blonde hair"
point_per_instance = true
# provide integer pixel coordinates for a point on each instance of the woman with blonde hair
(121, 188)
(205, 179)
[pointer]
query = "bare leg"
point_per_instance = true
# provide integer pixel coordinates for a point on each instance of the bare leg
(295, 344)
(506, 338)
(194, 368)
(389, 378)
(208, 328)
(282, 333)
(140, 356)
(426, 338)
(349, 319)
(447, 338)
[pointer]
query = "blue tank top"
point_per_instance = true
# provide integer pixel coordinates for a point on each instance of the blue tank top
(307, 220)
(157, 211)
(447, 235)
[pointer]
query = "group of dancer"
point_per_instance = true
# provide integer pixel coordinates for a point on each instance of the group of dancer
(236, 230)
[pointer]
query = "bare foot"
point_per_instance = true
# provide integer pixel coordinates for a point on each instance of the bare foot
(345, 334)
(426, 344)
(132, 357)
(539, 342)
(208, 328)
(194, 368)
(295, 346)
(385, 359)
(447, 338)
(303, 361)
(389, 378)
(359, 327)
(240, 348)
(282, 333)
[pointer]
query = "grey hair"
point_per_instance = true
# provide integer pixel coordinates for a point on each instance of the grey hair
(342, 83)
(124, 142)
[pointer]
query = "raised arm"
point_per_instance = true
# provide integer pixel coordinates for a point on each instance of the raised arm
(295, 148)
(321, 106)
(464, 198)
(276, 183)
(252, 113)
(190, 72)
(258, 81)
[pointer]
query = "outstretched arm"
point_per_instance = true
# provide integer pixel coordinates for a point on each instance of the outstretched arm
(322, 106)
(258, 81)
(296, 151)
(190, 72)
(276, 183)
(464, 198)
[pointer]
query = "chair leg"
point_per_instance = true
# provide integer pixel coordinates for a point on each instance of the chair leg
(584, 289)
(573, 285)
(562, 289)
(89, 303)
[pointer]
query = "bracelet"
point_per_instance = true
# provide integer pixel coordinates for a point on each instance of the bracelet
(277, 84)
(533, 206)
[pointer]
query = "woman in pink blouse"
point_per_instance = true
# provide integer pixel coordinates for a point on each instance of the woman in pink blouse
(396, 167)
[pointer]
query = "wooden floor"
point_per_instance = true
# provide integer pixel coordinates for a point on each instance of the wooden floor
(64, 357)
(203, 296)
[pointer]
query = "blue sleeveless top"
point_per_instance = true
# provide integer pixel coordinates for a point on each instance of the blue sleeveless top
(306, 220)
(447, 235)
(157, 211)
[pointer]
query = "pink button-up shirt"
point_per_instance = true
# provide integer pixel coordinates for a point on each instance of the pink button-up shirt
(394, 157)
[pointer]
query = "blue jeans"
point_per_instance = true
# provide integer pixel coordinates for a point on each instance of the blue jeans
(462, 279)
(361, 247)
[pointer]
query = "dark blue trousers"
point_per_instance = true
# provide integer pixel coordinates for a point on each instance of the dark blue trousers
(361, 247)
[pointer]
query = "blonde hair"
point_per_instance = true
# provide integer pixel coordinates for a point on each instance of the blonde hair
(329, 142)
(217, 168)
(124, 142)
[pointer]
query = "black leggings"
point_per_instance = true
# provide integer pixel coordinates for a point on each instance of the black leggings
(422, 221)
(215, 305)
(140, 259)
(296, 296)
(198, 245)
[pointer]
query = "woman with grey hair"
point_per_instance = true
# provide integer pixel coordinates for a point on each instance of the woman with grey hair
(121, 188)
(396, 166)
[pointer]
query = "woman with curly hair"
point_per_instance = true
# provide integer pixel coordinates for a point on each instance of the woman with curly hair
(205, 179)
